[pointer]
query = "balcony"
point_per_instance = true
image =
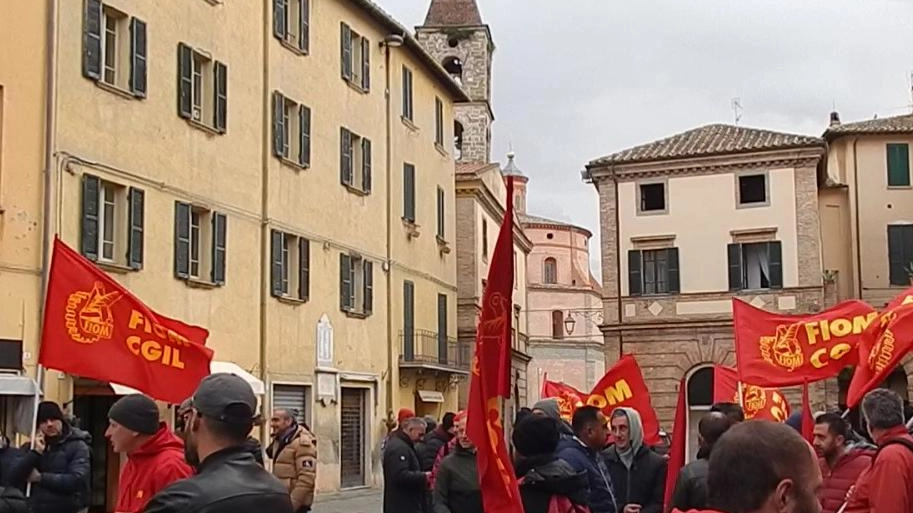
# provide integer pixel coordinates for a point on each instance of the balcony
(423, 349)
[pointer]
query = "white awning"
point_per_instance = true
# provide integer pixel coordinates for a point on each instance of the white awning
(12, 384)
(430, 396)
(214, 367)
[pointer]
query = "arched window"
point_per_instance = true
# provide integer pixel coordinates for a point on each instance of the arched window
(700, 398)
(558, 324)
(454, 66)
(457, 139)
(550, 271)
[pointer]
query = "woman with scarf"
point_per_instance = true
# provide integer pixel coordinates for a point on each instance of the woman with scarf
(638, 474)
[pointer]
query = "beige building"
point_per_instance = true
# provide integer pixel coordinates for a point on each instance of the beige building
(287, 184)
(690, 221)
(866, 210)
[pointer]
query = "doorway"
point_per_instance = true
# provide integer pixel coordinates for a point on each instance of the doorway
(700, 399)
(353, 439)
(92, 412)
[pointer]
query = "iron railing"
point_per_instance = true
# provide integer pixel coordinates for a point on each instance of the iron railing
(429, 347)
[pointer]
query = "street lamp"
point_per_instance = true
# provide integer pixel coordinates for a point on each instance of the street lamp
(569, 323)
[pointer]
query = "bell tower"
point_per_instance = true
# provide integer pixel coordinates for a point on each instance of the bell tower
(454, 34)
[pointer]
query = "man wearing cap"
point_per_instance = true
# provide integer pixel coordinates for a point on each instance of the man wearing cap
(228, 479)
(252, 445)
(155, 456)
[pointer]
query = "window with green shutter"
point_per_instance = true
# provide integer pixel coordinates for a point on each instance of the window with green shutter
(290, 273)
(900, 255)
(653, 271)
(114, 48)
(200, 243)
(408, 111)
(112, 223)
(200, 76)
(291, 24)
(898, 156)
(440, 214)
(356, 285)
(355, 162)
(755, 266)
(356, 59)
(408, 193)
(291, 131)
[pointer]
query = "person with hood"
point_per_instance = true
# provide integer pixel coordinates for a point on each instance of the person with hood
(155, 455)
(550, 408)
(434, 440)
(294, 455)
(405, 484)
(57, 465)
(887, 485)
(584, 454)
(841, 463)
(691, 487)
(545, 478)
(639, 474)
(762, 467)
(456, 488)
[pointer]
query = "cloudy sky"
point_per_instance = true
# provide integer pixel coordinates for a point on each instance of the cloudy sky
(579, 79)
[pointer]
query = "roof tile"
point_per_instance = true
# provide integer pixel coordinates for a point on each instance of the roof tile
(891, 125)
(453, 13)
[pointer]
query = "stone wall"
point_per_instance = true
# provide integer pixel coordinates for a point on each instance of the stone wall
(476, 120)
(473, 50)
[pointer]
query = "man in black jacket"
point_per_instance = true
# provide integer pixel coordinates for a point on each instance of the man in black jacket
(405, 484)
(431, 445)
(228, 479)
(638, 474)
(691, 487)
(57, 464)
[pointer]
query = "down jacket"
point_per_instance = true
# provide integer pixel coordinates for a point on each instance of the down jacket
(886, 486)
(64, 467)
(838, 480)
(296, 466)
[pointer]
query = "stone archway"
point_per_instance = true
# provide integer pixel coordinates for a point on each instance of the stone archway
(699, 398)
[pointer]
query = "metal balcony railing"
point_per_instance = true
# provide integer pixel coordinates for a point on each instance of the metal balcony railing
(431, 348)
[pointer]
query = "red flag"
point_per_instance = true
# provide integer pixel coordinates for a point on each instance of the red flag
(774, 350)
(95, 328)
(885, 344)
(757, 402)
(624, 385)
(569, 398)
(677, 455)
(484, 425)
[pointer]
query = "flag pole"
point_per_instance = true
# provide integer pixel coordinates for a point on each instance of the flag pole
(741, 396)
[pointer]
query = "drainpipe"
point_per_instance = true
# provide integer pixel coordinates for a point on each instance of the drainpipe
(856, 209)
(50, 119)
(265, 264)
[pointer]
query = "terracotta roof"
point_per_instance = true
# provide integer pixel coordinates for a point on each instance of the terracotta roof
(710, 140)
(528, 219)
(892, 125)
(453, 13)
(472, 167)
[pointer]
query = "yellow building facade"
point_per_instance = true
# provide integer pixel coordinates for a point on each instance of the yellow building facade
(276, 172)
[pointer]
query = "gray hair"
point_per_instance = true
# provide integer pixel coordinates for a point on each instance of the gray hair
(414, 422)
(883, 409)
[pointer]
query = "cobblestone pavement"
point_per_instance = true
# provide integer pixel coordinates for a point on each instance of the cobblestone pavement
(360, 501)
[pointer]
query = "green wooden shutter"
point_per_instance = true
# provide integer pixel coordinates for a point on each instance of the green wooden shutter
(221, 100)
(635, 273)
(304, 25)
(345, 282)
(304, 269)
(775, 264)
(138, 57)
(345, 156)
(900, 254)
(369, 287)
(278, 124)
(408, 321)
(90, 210)
(276, 269)
(898, 165)
(407, 93)
(440, 213)
(181, 240)
(438, 121)
(346, 43)
(219, 244)
(279, 16)
(409, 192)
(366, 165)
(304, 141)
(366, 64)
(442, 349)
(734, 255)
(185, 81)
(91, 40)
(135, 221)
(673, 278)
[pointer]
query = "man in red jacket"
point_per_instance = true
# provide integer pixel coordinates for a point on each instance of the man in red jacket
(155, 456)
(887, 486)
(840, 463)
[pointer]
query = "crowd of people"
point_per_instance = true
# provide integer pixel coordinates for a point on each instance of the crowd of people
(595, 464)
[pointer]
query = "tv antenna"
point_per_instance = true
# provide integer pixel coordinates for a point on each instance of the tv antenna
(737, 109)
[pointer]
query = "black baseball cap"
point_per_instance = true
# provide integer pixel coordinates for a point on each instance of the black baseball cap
(226, 398)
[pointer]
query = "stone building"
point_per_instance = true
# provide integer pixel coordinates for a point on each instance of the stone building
(689, 222)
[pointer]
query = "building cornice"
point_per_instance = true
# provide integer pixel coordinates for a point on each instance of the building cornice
(540, 225)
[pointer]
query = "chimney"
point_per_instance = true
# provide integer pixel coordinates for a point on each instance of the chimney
(835, 118)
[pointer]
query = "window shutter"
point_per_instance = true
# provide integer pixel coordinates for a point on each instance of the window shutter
(897, 256)
(304, 269)
(276, 269)
(366, 164)
(346, 52)
(409, 192)
(735, 266)
(440, 213)
(185, 81)
(345, 156)
(138, 57)
(898, 165)
(219, 242)
(304, 143)
(135, 241)
(635, 274)
(279, 15)
(278, 124)
(407, 93)
(366, 64)
(345, 282)
(304, 23)
(369, 287)
(673, 278)
(438, 121)
(91, 40)
(90, 207)
(181, 240)
(221, 114)
(775, 264)
(408, 321)
(442, 329)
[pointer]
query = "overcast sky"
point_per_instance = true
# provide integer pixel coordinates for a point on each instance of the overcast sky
(578, 79)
